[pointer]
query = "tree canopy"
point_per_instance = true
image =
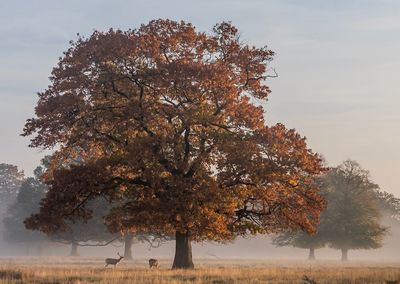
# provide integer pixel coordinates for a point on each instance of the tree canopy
(352, 217)
(389, 204)
(173, 130)
(10, 180)
(27, 202)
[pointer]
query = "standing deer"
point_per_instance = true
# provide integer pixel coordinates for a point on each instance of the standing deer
(153, 263)
(113, 261)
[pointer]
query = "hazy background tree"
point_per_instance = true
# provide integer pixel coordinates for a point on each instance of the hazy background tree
(389, 205)
(174, 138)
(353, 216)
(27, 202)
(150, 239)
(10, 181)
(353, 220)
(91, 232)
(301, 239)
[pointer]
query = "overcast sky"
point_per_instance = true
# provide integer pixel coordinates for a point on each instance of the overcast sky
(338, 64)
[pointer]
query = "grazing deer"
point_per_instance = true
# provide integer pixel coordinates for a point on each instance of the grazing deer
(113, 261)
(153, 263)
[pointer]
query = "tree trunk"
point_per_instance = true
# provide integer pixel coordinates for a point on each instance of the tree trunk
(183, 252)
(344, 254)
(128, 247)
(74, 250)
(311, 255)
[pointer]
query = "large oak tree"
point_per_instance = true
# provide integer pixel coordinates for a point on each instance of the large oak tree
(173, 127)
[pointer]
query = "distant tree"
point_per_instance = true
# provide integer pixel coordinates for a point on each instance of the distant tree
(352, 217)
(10, 181)
(27, 202)
(92, 232)
(131, 235)
(178, 138)
(389, 204)
(128, 241)
(130, 238)
(301, 239)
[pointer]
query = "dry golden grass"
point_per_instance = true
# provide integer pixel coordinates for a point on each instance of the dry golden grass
(70, 270)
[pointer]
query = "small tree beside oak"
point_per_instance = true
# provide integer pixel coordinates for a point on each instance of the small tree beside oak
(178, 143)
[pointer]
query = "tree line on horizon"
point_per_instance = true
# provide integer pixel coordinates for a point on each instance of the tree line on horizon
(166, 125)
(353, 218)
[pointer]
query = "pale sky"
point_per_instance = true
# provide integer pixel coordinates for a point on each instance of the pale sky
(338, 64)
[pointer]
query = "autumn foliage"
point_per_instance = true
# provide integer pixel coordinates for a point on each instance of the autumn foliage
(169, 127)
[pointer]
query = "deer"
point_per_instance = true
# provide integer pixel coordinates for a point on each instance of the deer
(113, 261)
(153, 263)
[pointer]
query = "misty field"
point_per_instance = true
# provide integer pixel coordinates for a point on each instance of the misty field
(91, 270)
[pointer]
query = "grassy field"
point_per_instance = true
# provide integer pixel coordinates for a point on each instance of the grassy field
(80, 270)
